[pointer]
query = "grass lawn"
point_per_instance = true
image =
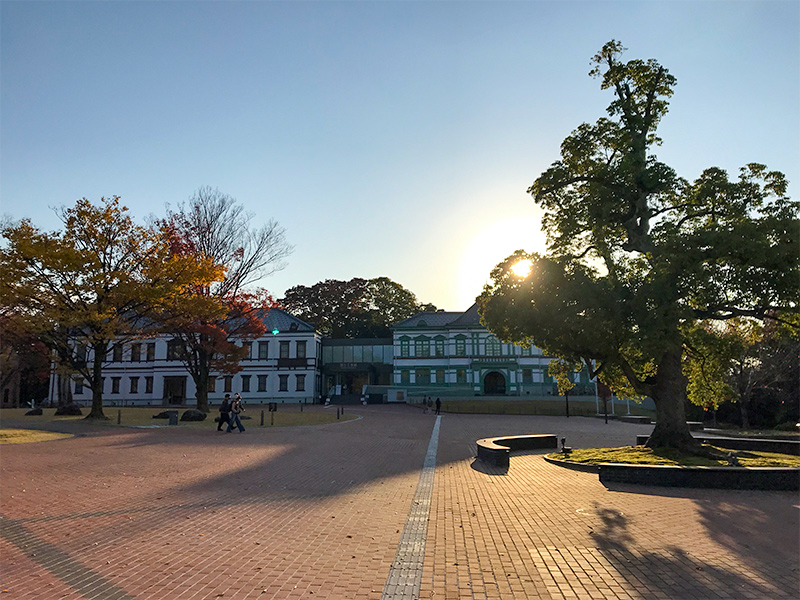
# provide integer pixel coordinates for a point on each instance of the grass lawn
(639, 455)
(286, 416)
(22, 436)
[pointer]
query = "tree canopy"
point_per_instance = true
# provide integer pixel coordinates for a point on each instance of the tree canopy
(97, 283)
(638, 256)
(355, 308)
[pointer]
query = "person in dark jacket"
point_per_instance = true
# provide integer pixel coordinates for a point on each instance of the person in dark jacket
(224, 412)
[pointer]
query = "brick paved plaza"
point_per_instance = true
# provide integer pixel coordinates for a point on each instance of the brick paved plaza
(320, 512)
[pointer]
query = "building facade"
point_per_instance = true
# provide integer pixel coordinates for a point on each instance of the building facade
(452, 354)
(281, 366)
(444, 354)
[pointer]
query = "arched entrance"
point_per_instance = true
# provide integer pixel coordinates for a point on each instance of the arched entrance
(494, 384)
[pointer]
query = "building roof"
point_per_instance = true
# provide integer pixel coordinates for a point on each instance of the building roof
(442, 320)
(279, 319)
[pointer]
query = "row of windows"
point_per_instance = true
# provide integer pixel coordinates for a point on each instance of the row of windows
(423, 347)
(176, 350)
(350, 354)
(428, 376)
(283, 384)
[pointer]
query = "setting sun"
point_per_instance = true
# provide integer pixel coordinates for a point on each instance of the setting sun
(489, 245)
(522, 268)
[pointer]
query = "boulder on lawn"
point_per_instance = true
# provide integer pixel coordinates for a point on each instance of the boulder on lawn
(162, 415)
(34, 412)
(71, 410)
(193, 415)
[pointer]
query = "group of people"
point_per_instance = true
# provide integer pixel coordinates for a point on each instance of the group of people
(428, 404)
(229, 412)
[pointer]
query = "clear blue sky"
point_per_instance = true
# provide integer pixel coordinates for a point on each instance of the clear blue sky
(389, 138)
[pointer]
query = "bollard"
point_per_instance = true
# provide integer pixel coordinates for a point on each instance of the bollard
(262, 418)
(119, 417)
(337, 413)
(271, 419)
(301, 405)
(343, 410)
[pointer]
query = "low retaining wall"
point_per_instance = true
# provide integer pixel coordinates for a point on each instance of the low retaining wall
(740, 478)
(754, 444)
(496, 451)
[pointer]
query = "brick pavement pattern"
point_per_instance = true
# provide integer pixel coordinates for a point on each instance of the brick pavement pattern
(318, 512)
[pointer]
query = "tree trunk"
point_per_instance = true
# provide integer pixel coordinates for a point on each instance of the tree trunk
(201, 380)
(97, 383)
(743, 409)
(669, 393)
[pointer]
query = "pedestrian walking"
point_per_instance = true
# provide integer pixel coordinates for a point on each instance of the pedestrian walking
(438, 406)
(236, 409)
(430, 404)
(224, 412)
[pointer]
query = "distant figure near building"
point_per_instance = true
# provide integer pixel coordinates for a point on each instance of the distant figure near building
(438, 406)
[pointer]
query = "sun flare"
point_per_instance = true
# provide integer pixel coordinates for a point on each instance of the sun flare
(522, 268)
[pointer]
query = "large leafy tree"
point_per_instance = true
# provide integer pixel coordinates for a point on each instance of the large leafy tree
(354, 308)
(214, 322)
(637, 256)
(739, 359)
(94, 284)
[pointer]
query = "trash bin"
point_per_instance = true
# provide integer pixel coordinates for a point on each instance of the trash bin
(173, 417)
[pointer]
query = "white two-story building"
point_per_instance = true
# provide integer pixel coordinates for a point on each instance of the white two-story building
(281, 366)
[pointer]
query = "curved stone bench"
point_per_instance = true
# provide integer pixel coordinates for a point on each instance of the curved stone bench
(497, 450)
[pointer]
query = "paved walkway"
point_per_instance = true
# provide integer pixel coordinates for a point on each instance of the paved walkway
(319, 512)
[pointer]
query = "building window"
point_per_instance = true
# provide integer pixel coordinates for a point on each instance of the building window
(78, 386)
(422, 347)
(284, 350)
(461, 346)
(423, 376)
(248, 346)
(80, 354)
(404, 349)
(283, 383)
(527, 350)
(461, 376)
(151, 352)
(116, 353)
(134, 385)
(136, 352)
(301, 349)
(212, 383)
(148, 385)
(493, 347)
(228, 383)
(300, 384)
(263, 350)
(439, 376)
(527, 376)
(262, 383)
(405, 377)
(439, 347)
(245, 383)
(175, 349)
(115, 385)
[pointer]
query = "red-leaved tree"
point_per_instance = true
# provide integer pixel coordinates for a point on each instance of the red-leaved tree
(212, 324)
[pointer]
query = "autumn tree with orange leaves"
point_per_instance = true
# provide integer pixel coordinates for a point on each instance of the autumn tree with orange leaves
(98, 283)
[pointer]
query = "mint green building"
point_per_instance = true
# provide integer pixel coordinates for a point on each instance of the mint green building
(452, 354)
